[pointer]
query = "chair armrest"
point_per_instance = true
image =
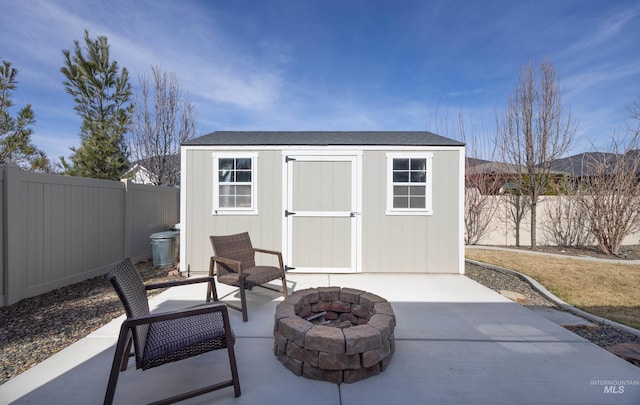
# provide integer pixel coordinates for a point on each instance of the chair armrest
(230, 262)
(174, 283)
(272, 252)
(267, 251)
(182, 313)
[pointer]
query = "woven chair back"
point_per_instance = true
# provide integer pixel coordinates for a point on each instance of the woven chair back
(130, 289)
(236, 247)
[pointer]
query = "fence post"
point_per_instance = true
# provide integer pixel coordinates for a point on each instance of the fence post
(3, 216)
(126, 238)
(14, 250)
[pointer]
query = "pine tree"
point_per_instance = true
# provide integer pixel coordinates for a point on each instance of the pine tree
(15, 135)
(102, 94)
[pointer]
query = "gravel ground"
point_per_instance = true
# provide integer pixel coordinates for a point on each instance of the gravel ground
(36, 328)
(33, 329)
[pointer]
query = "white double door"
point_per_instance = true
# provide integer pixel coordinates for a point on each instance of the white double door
(322, 216)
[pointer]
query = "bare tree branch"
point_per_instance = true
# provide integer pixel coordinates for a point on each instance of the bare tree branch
(162, 120)
(533, 132)
(479, 206)
(610, 194)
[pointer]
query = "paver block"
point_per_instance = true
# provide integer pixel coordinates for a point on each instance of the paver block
(325, 339)
(361, 338)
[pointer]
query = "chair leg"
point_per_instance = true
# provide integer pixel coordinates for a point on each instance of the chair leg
(212, 292)
(211, 286)
(243, 303)
(115, 366)
(234, 370)
(284, 287)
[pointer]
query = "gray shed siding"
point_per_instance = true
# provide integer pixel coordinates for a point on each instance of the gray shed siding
(431, 244)
(412, 243)
(265, 228)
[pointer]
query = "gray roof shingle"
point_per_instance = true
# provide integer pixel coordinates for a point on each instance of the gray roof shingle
(322, 138)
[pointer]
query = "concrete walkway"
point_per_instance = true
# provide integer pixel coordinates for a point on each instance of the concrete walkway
(456, 342)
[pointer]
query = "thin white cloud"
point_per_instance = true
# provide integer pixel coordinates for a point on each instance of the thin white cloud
(207, 66)
(580, 83)
(609, 28)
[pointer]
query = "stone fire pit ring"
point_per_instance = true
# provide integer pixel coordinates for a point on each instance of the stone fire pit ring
(359, 346)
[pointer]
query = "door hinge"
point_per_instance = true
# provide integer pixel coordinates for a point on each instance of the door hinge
(287, 213)
(288, 159)
(287, 268)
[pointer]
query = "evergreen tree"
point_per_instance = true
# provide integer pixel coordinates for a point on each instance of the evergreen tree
(15, 135)
(102, 94)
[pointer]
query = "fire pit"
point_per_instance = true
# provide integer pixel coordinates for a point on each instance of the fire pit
(334, 334)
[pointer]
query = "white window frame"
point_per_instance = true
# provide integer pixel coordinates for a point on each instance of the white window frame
(428, 209)
(253, 209)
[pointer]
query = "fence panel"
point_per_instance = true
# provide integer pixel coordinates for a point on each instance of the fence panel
(59, 230)
(501, 232)
(149, 209)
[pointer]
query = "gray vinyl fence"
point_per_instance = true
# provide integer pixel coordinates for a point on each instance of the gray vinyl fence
(59, 230)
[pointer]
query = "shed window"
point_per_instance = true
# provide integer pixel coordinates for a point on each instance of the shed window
(234, 189)
(409, 184)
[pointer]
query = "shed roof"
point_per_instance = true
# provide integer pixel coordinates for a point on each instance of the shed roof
(323, 138)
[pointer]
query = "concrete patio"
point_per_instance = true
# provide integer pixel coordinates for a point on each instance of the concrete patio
(456, 342)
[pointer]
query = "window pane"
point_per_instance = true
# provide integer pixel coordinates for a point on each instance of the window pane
(400, 202)
(227, 190)
(243, 177)
(418, 190)
(417, 202)
(243, 164)
(400, 164)
(226, 201)
(400, 190)
(226, 176)
(418, 164)
(243, 201)
(243, 190)
(418, 177)
(225, 164)
(400, 177)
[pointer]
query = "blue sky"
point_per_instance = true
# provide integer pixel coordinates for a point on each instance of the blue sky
(335, 65)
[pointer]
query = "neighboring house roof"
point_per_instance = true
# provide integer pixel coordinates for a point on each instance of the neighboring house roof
(583, 164)
(322, 138)
(580, 165)
(173, 160)
(471, 162)
(140, 175)
(142, 171)
(495, 168)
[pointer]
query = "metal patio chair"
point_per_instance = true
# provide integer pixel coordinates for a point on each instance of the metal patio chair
(169, 336)
(236, 266)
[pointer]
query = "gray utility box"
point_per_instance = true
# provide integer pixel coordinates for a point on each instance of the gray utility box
(164, 247)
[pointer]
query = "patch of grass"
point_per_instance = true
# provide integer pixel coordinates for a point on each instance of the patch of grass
(603, 289)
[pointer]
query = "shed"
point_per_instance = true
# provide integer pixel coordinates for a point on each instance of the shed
(342, 202)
